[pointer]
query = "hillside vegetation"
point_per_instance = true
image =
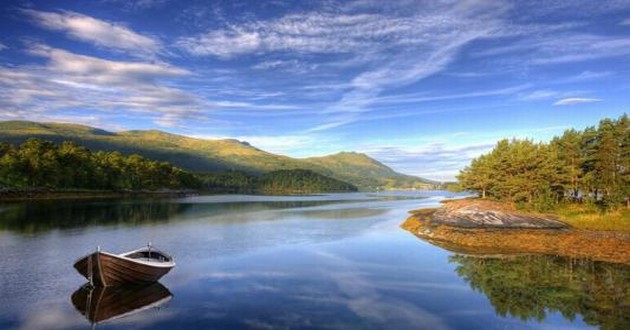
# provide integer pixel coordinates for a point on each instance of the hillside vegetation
(204, 156)
(42, 164)
(38, 164)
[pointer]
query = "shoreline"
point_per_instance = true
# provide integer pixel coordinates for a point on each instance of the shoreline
(10, 195)
(600, 245)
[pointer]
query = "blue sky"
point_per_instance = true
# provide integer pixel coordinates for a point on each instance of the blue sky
(422, 86)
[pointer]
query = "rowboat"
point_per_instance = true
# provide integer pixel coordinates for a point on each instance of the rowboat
(100, 304)
(143, 265)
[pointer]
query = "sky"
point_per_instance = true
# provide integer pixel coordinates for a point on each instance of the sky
(422, 86)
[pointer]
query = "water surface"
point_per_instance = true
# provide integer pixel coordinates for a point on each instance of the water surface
(328, 261)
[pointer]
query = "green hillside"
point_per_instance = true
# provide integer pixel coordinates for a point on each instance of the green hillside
(200, 155)
(366, 172)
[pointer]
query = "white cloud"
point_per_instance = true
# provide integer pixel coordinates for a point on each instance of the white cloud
(100, 71)
(426, 97)
(562, 47)
(95, 31)
(575, 100)
(3, 46)
(545, 94)
(72, 81)
(305, 33)
(437, 161)
(625, 22)
(389, 48)
(539, 95)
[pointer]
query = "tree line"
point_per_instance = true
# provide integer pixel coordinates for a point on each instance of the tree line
(281, 181)
(591, 165)
(38, 163)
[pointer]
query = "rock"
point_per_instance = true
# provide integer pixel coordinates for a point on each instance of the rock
(484, 214)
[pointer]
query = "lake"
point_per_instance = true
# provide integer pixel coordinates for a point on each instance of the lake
(333, 261)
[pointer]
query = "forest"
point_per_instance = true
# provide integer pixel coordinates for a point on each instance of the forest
(588, 166)
(281, 181)
(43, 164)
(37, 164)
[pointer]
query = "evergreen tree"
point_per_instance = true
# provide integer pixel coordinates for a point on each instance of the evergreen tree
(594, 163)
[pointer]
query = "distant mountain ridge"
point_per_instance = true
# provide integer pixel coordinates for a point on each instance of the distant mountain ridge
(201, 155)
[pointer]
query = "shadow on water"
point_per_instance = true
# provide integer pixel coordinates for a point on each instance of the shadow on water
(41, 215)
(529, 287)
(100, 304)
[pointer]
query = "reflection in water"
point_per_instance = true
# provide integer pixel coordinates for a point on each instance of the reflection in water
(100, 304)
(42, 215)
(38, 216)
(528, 287)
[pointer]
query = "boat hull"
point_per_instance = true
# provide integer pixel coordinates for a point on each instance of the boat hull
(109, 270)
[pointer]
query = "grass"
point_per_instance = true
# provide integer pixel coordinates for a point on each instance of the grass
(589, 217)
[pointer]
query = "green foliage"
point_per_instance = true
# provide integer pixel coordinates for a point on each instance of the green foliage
(301, 181)
(229, 182)
(43, 164)
(590, 166)
(282, 181)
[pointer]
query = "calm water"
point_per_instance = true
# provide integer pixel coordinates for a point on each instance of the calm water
(331, 261)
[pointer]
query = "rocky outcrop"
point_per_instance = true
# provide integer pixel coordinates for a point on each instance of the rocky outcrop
(469, 213)
(480, 227)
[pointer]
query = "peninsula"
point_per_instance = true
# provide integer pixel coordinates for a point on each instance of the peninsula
(481, 227)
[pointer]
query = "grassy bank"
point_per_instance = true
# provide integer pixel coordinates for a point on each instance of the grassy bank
(579, 216)
(589, 217)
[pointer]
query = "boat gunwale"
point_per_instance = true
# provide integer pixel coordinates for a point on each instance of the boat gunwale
(167, 264)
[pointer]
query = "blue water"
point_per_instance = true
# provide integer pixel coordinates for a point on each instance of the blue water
(330, 261)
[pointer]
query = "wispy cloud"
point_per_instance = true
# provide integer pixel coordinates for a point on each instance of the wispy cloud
(425, 97)
(437, 161)
(546, 94)
(3, 46)
(312, 32)
(586, 76)
(138, 4)
(70, 80)
(574, 101)
(385, 48)
(625, 21)
(95, 31)
(566, 47)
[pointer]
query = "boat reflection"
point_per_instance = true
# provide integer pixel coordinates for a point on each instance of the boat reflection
(99, 304)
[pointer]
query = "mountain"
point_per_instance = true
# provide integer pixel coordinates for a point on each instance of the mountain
(363, 171)
(201, 155)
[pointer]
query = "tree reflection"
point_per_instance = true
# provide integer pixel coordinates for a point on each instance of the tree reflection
(530, 287)
(38, 216)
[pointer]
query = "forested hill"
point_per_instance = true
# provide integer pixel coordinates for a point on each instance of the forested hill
(201, 155)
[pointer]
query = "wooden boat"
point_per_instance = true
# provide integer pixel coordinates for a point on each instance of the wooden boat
(143, 265)
(99, 304)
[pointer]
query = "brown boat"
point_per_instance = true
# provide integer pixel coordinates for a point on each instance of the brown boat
(99, 304)
(143, 265)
